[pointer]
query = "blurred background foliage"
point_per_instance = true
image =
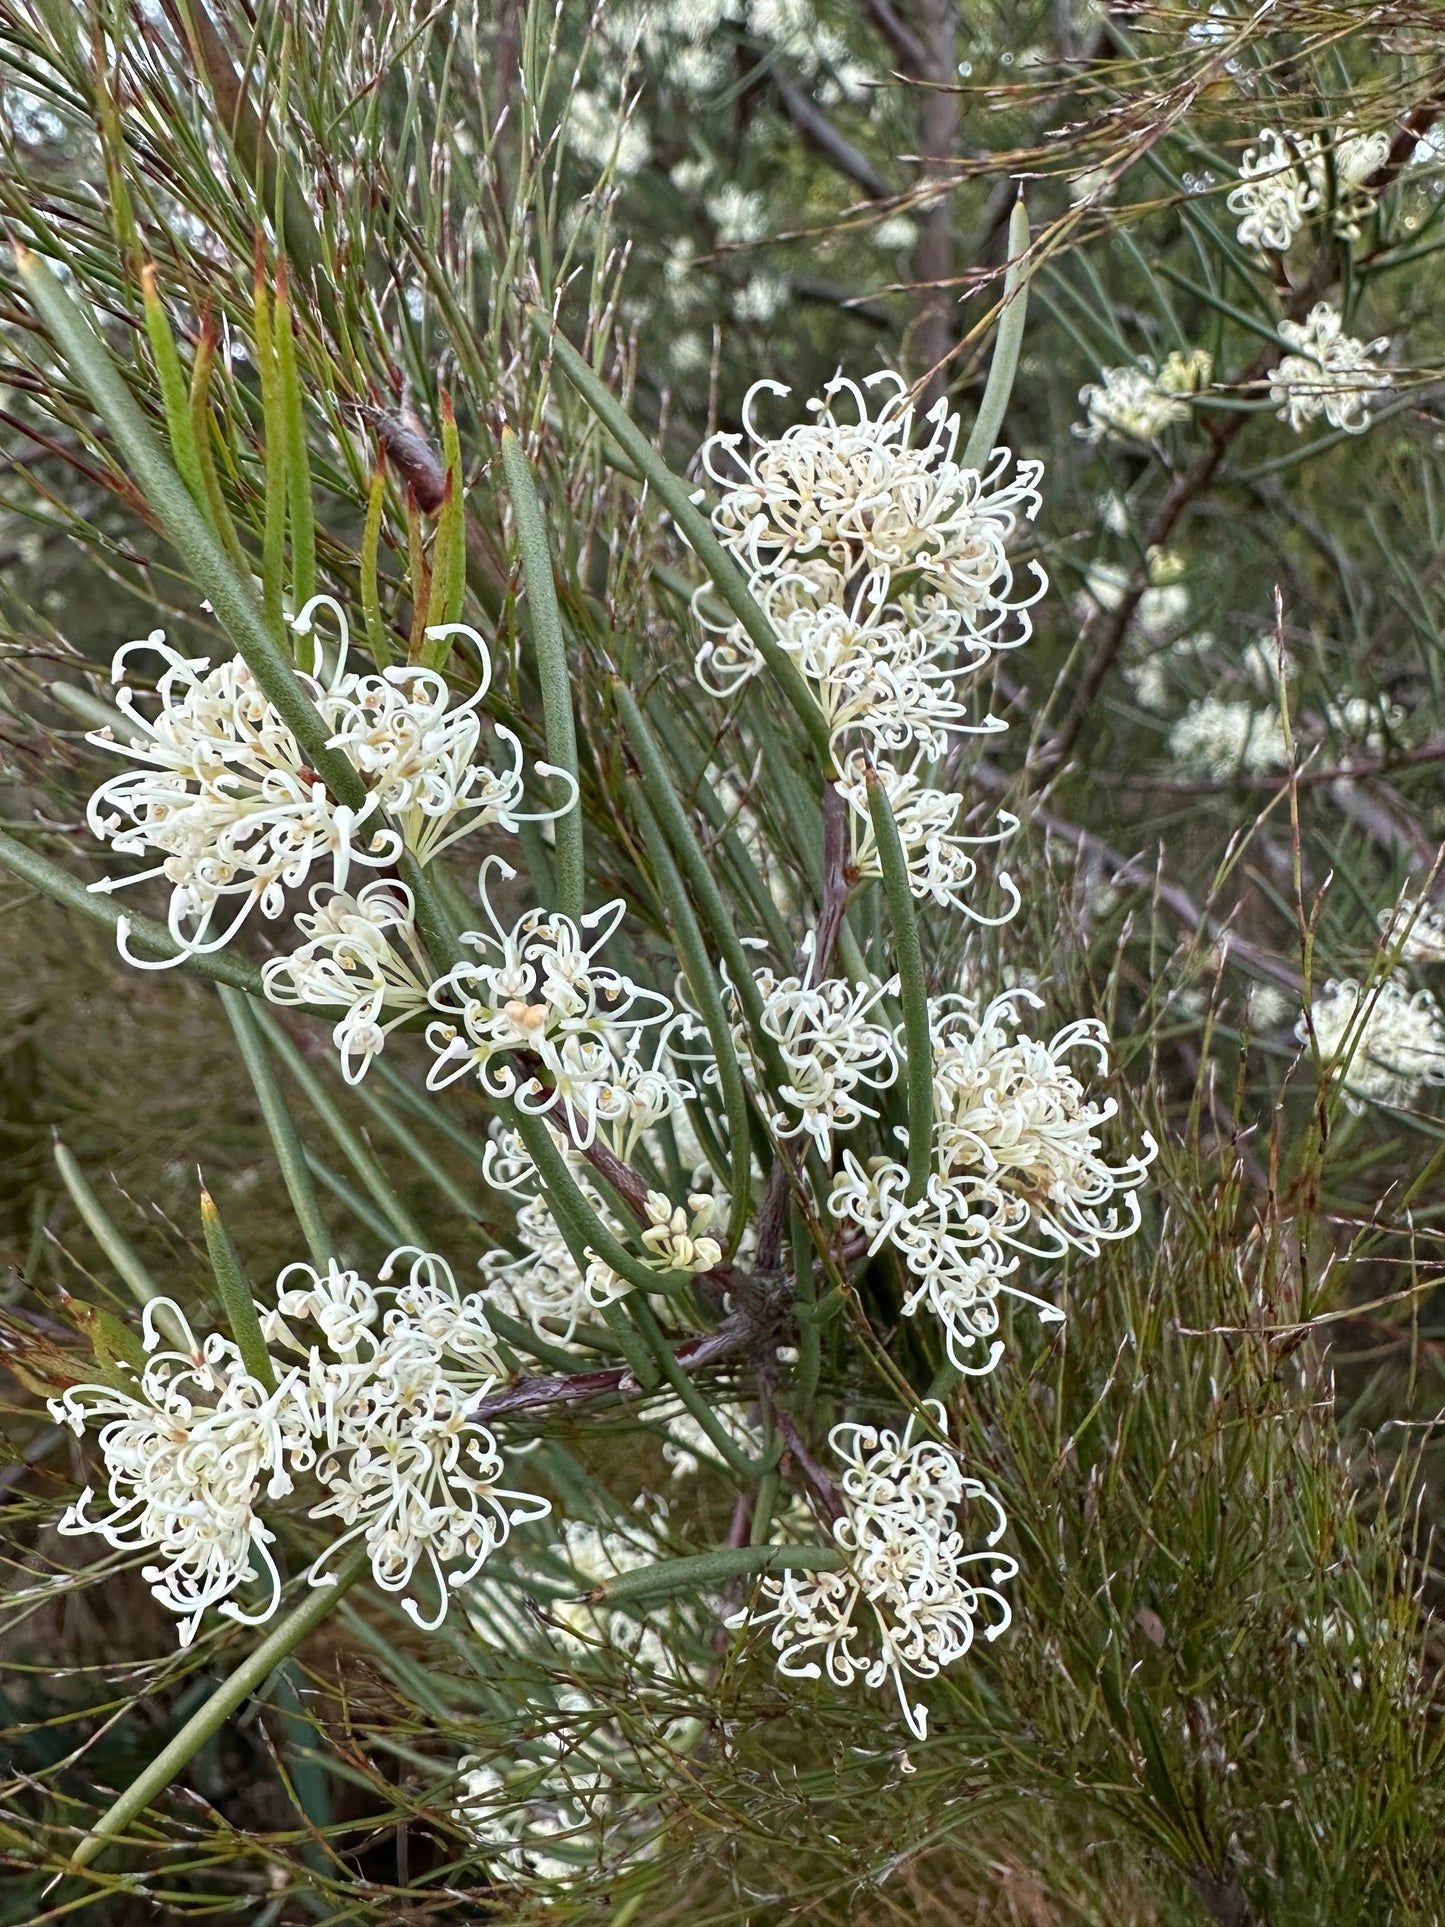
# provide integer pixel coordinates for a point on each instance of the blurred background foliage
(1220, 1698)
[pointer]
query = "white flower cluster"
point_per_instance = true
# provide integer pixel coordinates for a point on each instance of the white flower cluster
(1016, 1169)
(1384, 1041)
(221, 792)
(1418, 926)
(1223, 736)
(1137, 404)
(882, 564)
(578, 1026)
(543, 1282)
(1285, 177)
(361, 952)
(373, 1409)
(1329, 373)
(831, 1047)
(911, 1598)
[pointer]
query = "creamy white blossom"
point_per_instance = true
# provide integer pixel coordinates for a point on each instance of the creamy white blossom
(941, 859)
(373, 1386)
(539, 994)
(914, 1592)
(362, 952)
(221, 792)
(832, 1048)
(846, 494)
(1384, 1041)
(608, 134)
(1224, 736)
(888, 671)
(1278, 186)
(1016, 1166)
(1329, 373)
(1418, 926)
(1356, 159)
(189, 1455)
(1139, 403)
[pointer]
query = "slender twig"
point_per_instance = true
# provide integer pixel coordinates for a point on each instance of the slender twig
(536, 1394)
(816, 128)
(1127, 870)
(900, 37)
(836, 883)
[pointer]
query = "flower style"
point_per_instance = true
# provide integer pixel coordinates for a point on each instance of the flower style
(349, 958)
(1329, 373)
(1279, 184)
(1382, 1041)
(941, 863)
(1418, 927)
(1137, 404)
(186, 1455)
(1016, 1167)
(838, 499)
(829, 1048)
(546, 999)
(222, 792)
(911, 1579)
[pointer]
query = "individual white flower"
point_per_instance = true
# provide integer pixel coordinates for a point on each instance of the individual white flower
(1385, 1041)
(1264, 663)
(1223, 736)
(676, 1242)
(187, 1456)
(1162, 609)
(1368, 723)
(527, 1824)
(831, 1047)
(942, 866)
(1278, 187)
(763, 298)
(415, 1478)
(538, 993)
(1418, 926)
(1138, 404)
(894, 234)
(887, 671)
(1329, 373)
(349, 958)
(222, 793)
(846, 494)
(739, 214)
(1268, 1005)
(914, 1592)
(340, 1303)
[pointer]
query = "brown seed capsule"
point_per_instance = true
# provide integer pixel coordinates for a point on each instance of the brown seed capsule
(413, 457)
